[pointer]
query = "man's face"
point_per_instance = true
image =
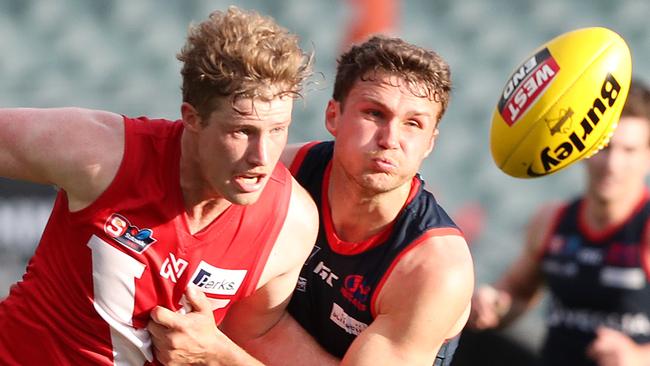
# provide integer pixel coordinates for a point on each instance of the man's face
(622, 166)
(237, 152)
(383, 132)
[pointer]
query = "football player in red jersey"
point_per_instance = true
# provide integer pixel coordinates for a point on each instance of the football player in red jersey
(149, 209)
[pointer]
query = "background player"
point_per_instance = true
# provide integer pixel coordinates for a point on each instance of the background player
(148, 207)
(594, 255)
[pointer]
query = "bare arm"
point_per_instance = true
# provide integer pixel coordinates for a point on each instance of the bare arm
(437, 278)
(289, 344)
(520, 286)
(76, 149)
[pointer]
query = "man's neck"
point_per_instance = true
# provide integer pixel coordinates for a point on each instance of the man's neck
(601, 214)
(358, 214)
(202, 205)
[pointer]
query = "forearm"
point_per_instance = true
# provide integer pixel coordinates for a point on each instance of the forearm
(232, 355)
(287, 343)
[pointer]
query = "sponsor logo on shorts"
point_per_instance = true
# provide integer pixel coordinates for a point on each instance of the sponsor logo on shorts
(217, 281)
(130, 236)
(526, 84)
(346, 322)
(356, 291)
(574, 143)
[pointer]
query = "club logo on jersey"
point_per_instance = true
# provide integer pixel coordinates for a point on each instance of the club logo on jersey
(356, 291)
(325, 273)
(172, 268)
(526, 84)
(622, 255)
(345, 321)
(217, 281)
(130, 236)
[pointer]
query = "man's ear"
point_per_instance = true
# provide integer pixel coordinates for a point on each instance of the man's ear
(191, 117)
(332, 112)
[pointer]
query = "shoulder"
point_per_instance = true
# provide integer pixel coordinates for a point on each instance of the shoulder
(437, 278)
(300, 227)
(437, 265)
(92, 147)
(302, 216)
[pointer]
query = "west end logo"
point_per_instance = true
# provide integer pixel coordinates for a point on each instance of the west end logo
(526, 84)
(130, 236)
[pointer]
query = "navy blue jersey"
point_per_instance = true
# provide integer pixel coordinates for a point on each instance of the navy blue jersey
(337, 287)
(595, 279)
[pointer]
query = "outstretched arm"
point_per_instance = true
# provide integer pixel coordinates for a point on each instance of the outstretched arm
(76, 149)
(520, 286)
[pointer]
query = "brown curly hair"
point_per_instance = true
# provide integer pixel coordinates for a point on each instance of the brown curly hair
(424, 72)
(637, 103)
(240, 54)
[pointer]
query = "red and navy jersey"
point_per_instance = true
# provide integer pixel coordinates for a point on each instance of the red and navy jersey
(96, 274)
(595, 279)
(339, 283)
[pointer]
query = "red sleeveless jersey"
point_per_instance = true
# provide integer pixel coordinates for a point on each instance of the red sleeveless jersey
(96, 274)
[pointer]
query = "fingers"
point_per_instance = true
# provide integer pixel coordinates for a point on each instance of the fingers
(165, 317)
(488, 306)
(608, 347)
(197, 299)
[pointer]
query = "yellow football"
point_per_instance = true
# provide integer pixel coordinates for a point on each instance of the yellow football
(562, 103)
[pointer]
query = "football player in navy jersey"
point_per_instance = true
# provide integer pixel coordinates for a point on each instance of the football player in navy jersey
(390, 279)
(593, 254)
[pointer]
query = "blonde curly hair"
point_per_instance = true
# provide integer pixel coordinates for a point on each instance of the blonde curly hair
(240, 54)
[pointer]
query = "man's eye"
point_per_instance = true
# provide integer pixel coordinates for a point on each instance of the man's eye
(242, 132)
(412, 123)
(278, 129)
(373, 112)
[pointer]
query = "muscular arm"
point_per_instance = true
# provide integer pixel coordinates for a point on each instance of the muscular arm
(424, 302)
(76, 149)
(520, 286)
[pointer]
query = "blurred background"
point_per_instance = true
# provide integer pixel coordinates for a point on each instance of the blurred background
(120, 56)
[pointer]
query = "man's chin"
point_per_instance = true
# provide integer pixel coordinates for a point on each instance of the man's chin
(244, 199)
